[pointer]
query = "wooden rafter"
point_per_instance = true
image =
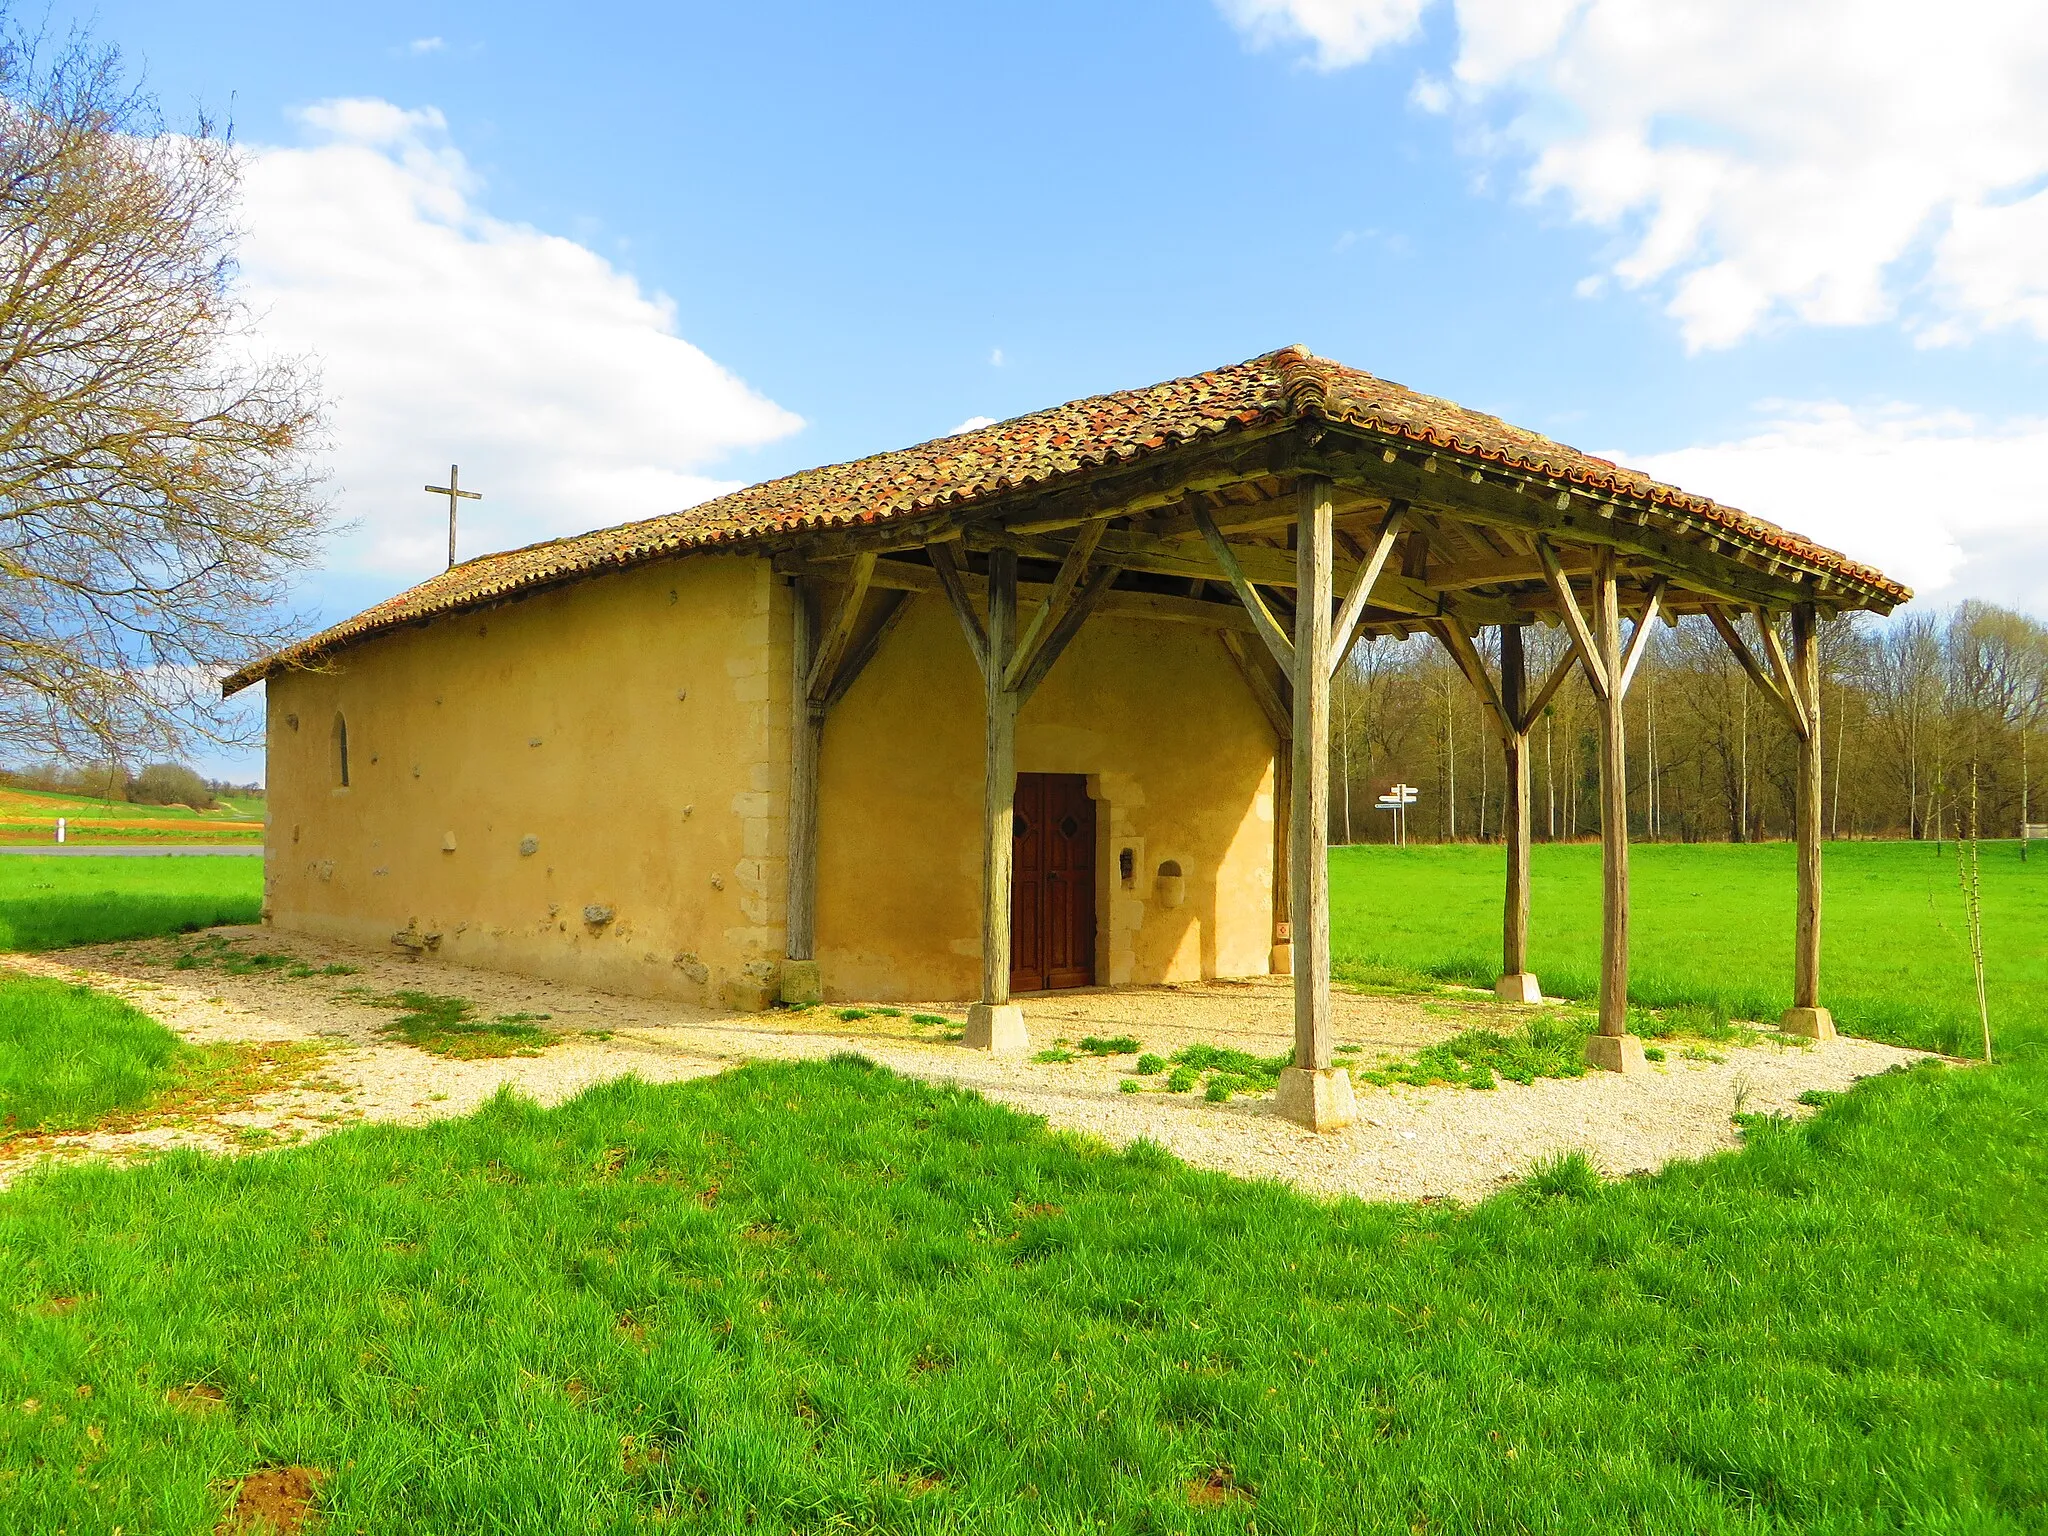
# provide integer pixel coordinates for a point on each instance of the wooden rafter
(963, 608)
(1263, 565)
(1742, 653)
(1053, 608)
(1156, 607)
(1262, 617)
(1663, 540)
(1639, 642)
(1559, 671)
(1457, 639)
(832, 643)
(1438, 540)
(861, 652)
(1362, 584)
(1574, 619)
(1064, 628)
(1279, 711)
(1788, 688)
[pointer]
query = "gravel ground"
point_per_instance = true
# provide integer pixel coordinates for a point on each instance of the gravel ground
(1410, 1143)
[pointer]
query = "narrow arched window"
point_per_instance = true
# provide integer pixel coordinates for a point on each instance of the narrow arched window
(340, 749)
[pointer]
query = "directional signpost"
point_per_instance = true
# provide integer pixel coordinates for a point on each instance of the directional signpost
(1397, 800)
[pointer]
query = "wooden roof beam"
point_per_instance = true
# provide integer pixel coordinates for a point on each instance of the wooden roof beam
(1263, 621)
(946, 573)
(832, 644)
(1046, 619)
(1523, 502)
(1764, 680)
(1788, 690)
(924, 580)
(1574, 620)
(1639, 642)
(1457, 639)
(1362, 585)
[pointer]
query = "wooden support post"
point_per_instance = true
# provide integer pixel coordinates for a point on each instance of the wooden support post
(1516, 985)
(1806, 1016)
(995, 1023)
(800, 980)
(1312, 1091)
(1613, 1048)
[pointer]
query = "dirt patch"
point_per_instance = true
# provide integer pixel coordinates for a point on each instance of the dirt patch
(273, 1499)
(1445, 1141)
(200, 1397)
(1216, 1490)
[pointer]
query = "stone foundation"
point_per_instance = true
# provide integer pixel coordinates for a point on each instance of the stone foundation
(1322, 1100)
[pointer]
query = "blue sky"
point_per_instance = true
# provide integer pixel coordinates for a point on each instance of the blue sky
(615, 258)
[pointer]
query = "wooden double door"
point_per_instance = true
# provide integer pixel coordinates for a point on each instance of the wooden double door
(1052, 892)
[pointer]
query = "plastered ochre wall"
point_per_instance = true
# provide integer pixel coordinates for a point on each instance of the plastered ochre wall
(1179, 759)
(634, 727)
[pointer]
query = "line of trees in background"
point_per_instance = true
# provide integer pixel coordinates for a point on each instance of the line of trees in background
(156, 784)
(1911, 708)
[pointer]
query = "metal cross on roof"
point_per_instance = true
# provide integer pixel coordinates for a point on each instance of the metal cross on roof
(454, 492)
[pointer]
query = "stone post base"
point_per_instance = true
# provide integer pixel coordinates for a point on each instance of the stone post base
(1280, 960)
(1518, 988)
(748, 994)
(997, 1027)
(802, 986)
(1813, 1023)
(1616, 1053)
(1322, 1101)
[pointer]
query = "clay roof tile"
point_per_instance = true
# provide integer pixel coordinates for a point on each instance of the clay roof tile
(1037, 449)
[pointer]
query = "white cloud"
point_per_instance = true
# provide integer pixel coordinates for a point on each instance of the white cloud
(972, 424)
(1950, 506)
(445, 334)
(1343, 32)
(426, 45)
(1430, 95)
(1833, 161)
(995, 357)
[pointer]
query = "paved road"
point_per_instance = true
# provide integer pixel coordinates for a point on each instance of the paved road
(133, 851)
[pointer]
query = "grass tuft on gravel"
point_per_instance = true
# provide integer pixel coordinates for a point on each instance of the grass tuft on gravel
(817, 1296)
(444, 1026)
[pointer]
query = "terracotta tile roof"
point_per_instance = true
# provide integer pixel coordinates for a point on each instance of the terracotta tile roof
(1038, 450)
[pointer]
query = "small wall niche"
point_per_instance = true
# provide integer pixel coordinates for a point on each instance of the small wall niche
(1170, 886)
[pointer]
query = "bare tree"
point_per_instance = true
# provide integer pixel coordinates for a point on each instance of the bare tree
(1910, 704)
(157, 484)
(1906, 681)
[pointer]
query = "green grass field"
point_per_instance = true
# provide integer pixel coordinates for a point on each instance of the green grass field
(70, 1055)
(48, 903)
(822, 1298)
(1712, 923)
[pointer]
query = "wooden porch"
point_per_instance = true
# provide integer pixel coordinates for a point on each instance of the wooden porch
(1285, 545)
